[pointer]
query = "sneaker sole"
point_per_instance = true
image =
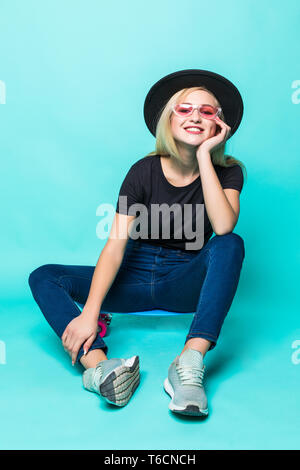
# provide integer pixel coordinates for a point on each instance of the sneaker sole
(189, 410)
(119, 386)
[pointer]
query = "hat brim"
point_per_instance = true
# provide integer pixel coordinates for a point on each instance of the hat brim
(224, 90)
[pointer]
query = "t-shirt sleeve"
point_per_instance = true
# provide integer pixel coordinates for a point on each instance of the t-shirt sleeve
(233, 178)
(132, 188)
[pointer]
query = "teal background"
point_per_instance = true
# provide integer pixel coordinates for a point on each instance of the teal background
(61, 157)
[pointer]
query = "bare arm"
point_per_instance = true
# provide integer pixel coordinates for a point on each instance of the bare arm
(222, 205)
(82, 330)
(108, 264)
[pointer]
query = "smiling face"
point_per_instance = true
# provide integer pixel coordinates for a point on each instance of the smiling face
(179, 124)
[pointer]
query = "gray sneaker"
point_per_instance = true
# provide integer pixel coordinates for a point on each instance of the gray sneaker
(184, 384)
(113, 379)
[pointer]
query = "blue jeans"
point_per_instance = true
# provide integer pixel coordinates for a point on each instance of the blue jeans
(150, 277)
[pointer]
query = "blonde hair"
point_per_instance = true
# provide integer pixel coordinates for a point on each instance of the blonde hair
(165, 143)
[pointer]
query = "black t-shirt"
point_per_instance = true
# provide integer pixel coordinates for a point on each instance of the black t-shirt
(146, 184)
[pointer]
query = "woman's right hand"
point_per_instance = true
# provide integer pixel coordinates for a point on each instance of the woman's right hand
(81, 331)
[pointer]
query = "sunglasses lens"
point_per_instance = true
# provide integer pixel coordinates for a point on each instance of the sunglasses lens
(208, 112)
(183, 109)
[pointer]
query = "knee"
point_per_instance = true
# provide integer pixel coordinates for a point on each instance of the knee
(232, 242)
(40, 274)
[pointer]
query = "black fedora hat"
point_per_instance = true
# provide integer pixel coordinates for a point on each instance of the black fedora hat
(224, 90)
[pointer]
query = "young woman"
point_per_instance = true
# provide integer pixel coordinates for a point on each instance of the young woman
(192, 113)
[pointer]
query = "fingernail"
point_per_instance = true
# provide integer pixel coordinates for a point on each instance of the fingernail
(84, 352)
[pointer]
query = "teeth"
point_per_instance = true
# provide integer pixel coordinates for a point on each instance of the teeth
(194, 129)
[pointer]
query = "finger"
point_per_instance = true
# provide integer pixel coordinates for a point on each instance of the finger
(222, 124)
(65, 340)
(220, 121)
(88, 343)
(223, 131)
(65, 343)
(72, 343)
(64, 336)
(75, 350)
(69, 341)
(223, 128)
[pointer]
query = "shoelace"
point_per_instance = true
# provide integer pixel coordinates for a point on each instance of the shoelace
(190, 375)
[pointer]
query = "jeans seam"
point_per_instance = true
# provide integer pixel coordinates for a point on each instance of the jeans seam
(195, 316)
(152, 285)
(88, 279)
(134, 283)
(177, 275)
(68, 295)
(73, 275)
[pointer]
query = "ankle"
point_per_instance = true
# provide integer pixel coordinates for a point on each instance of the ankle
(92, 358)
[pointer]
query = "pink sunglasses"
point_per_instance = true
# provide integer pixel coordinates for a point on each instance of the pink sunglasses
(207, 111)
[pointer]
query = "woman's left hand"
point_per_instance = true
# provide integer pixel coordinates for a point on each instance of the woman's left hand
(217, 140)
(82, 330)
